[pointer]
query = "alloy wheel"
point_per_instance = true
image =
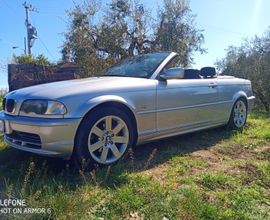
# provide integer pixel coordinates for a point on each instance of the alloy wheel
(108, 139)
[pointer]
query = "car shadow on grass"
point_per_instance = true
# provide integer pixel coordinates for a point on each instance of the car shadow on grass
(15, 164)
(180, 145)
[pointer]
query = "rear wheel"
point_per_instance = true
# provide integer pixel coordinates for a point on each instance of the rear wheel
(103, 136)
(239, 114)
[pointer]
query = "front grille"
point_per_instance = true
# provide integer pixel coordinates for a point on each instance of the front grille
(4, 104)
(24, 139)
(11, 104)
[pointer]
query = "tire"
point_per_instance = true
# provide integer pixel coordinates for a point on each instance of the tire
(238, 115)
(103, 136)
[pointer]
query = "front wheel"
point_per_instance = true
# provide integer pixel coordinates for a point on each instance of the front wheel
(103, 136)
(238, 115)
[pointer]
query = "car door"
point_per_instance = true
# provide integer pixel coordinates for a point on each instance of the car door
(186, 103)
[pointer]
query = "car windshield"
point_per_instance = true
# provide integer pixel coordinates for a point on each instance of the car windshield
(138, 66)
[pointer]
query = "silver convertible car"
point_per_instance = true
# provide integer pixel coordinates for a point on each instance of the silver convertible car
(135, 101)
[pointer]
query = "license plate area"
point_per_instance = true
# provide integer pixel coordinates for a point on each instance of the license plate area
(2, 126)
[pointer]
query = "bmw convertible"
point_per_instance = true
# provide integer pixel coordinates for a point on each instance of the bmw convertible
(135, 101)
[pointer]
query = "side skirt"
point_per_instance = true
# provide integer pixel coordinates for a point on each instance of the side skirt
(153, 136)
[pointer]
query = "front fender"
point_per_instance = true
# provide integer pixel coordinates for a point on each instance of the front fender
(85, 107)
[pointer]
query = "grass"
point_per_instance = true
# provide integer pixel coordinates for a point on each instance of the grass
(213, 174)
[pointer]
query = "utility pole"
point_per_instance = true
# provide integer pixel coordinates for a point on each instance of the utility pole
(28, 25)
(31, 31)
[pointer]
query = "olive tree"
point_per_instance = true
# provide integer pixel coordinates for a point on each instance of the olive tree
(251, 61)
(99, 35)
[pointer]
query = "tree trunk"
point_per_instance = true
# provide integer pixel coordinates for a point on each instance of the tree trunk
(263, 101)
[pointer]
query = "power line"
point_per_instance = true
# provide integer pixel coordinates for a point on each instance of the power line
(50, 7)
(51, 12)
(13, 10)
(55, 10)
(24, 20)
(61, 19)
(7, 42)
(223, 33)
(47, 49)
(226, 31)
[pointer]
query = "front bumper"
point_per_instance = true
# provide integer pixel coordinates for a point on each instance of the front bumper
(44, 136)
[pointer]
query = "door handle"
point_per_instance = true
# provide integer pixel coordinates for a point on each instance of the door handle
(213, 85)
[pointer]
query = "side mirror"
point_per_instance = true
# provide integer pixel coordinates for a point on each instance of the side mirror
(174, 73)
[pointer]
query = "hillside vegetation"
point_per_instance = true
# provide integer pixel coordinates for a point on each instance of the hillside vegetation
(251, 61)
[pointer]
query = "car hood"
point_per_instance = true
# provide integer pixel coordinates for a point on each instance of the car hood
(73, 88)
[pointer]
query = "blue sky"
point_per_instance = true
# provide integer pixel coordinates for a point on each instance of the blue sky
(225, 22)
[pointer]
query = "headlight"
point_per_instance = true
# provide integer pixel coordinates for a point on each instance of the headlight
(43, 107)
